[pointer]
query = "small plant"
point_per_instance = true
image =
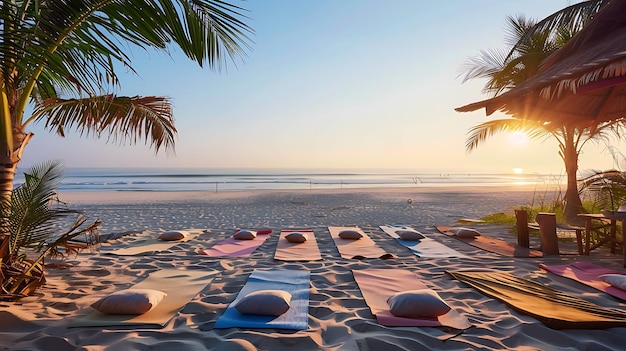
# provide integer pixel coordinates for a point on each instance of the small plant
(35, 224)
(607, 189)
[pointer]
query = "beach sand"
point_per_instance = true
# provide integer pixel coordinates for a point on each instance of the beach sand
(338, 318)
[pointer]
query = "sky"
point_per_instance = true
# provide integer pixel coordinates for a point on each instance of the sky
(367, 84)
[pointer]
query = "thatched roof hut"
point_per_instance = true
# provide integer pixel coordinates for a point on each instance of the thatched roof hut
(582, 83)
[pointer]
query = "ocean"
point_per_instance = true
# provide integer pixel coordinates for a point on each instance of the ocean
(223, 179)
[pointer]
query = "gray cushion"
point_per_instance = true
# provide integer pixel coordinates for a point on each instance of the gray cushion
(409, 235)
(265, 302)
(417, 303)
(173, 235)
(129, 301)
(615, 280)
(296, 237)
(463, 232)
(244, 235)
(350, 234)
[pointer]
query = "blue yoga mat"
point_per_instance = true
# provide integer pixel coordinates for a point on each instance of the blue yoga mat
(427, 247)
(295, 282)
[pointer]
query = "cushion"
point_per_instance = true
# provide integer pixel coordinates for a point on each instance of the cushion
(129, 301)
(172, 235)
(616, 280)
(296, 237)
(244, 235)
(350, 234)
(409, 235)
(265, 302)
(417, 303)
(462, 232)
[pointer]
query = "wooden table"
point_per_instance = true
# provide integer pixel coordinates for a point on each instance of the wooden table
(607, 220)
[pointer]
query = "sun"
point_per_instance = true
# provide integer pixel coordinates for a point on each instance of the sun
(518, 138)
(518, 170)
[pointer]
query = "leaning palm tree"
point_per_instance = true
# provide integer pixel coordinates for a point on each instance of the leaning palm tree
(39, 225)
(61, 57)
(505, 71)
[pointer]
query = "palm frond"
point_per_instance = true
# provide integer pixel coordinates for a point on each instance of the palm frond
(484, 65)
(67, 243)
(479, 133)
(75, 46)
(31, 214)
(36, 219)
(606, 188)
(516, 28)
(618, 158)
(573, 16)
(507, 69)
(603, 132)
(123, 119)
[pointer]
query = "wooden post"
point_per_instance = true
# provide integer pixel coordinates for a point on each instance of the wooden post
(547, 230)
(523, 237)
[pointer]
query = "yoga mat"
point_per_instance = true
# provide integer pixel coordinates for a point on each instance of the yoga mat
(494, 245)
(232, 247)
(377, 285)
(426, 247)
(306, 251)
(554, 308)
(293, 281)
(359, 249)
(180, 287)
(588, 274)
(151, 244)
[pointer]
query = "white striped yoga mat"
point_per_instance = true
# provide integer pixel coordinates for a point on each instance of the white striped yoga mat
(426, 247)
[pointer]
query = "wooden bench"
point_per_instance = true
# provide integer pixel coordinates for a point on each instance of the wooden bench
(551, 234)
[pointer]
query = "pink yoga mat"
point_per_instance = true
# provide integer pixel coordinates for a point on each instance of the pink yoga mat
(588, 274)
(232, 247)
(377, 285)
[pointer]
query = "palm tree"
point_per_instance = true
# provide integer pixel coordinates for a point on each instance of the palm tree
(529, 48)
(571, 140)
(60, 56)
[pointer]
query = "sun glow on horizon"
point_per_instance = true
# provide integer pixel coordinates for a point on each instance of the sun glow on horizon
(518, 170)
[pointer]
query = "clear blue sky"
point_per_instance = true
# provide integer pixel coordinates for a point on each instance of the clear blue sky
(332, 84)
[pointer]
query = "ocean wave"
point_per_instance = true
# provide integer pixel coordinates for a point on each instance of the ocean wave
(85, 179)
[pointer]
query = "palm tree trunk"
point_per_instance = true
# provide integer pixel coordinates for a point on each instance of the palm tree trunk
(573, 204)
(9, 160)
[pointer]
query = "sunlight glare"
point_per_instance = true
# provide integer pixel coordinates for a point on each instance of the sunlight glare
(518, 138)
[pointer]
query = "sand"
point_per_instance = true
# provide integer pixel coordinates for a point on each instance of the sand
(338, 317)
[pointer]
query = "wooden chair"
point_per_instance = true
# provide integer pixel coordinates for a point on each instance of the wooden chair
(599, 231)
